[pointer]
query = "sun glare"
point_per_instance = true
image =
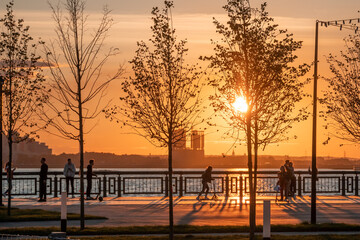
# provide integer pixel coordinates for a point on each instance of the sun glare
(240, 105)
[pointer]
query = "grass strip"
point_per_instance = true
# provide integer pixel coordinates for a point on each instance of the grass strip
(229, 237)
(20, 215)
(181, 229)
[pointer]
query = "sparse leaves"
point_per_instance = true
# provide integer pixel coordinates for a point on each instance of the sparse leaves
(23, 88)
(255, 60)
(342, 98)
(77, 90)
(163, 94)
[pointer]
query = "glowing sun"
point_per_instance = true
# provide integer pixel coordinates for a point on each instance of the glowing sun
(240, 105)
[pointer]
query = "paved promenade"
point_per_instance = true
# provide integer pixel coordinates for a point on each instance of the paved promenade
(127, 211)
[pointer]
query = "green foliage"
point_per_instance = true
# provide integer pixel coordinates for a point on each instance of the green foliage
(23, 87)
(20, 215)
(184, 229)
(163, 95)
(255, 60)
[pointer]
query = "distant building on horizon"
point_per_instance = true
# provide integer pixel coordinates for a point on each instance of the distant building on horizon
(29, 148)
(184, 157)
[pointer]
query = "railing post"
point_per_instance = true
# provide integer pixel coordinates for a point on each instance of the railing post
(119, 186)
(227, 185)
(166, 186)
(241, 189)
(104, 188)
(55, 186)
(181, 185)
(343, 185)
(299, 185)
(356, 185)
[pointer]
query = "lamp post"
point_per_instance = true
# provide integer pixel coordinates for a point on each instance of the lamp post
(1, 130)
(342, 24)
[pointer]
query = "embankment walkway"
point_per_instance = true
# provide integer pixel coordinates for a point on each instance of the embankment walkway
(128, 211)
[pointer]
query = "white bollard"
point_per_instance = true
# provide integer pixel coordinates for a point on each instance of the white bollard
(266, 220)
(63, 211)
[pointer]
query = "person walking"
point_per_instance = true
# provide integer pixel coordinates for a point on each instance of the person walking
(205, 179)
(43, 177)
(69, 173)
(89, 175)
(9, 177)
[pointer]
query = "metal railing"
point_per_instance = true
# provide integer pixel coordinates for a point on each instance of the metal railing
(153, 183)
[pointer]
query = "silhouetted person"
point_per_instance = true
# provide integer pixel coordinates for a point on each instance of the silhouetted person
(43, 177)
(89, 175)
(288, 176)
(293, 179)
(9, 177)
(282, 182)
(206, 178)
(69, 173)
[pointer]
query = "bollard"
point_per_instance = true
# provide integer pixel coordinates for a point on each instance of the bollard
(63, 211)
(266, 220)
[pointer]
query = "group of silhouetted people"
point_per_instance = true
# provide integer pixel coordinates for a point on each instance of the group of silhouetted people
(69, 173)
(287, 181)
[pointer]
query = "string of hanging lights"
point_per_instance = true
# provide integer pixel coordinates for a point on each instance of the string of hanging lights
(350, 24)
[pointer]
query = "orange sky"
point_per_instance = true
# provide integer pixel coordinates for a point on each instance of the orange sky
(193, 20)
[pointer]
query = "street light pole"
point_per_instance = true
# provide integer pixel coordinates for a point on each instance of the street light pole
(313, 167)
(351, 24)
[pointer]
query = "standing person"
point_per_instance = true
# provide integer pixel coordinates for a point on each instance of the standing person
(69, 173)
(206, 178)
(293, 179)
(287, 178)
(89, 175)
(9, 177)
(282, 182)
(43, 177)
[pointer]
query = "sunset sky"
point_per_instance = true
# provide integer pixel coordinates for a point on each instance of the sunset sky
(193, 21)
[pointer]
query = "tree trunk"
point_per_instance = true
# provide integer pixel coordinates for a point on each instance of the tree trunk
(171, 213)
(255, 167)
(82, 202)
(81, 127)
(10, 140)
(81, 153)
(10, 167)
(252, 213)
(256, 148)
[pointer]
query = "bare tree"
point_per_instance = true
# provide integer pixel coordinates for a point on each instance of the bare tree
(342, 99)
(77, 83)
(161, 101)
(23, 82)
(253, 61)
